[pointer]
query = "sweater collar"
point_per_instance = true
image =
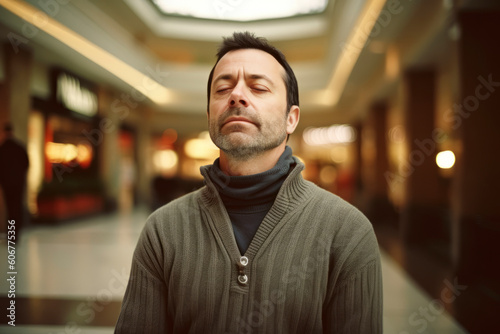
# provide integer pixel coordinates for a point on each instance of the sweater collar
(248, 192)
(294, 192)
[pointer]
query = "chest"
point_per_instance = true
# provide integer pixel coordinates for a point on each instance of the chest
(287, 279)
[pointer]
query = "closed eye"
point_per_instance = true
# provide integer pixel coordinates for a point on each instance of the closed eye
(260, 89)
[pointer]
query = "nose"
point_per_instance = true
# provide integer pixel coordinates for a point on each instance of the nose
(238, 97)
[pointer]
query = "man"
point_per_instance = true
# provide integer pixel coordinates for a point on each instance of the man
(258, 249)
(14, 165)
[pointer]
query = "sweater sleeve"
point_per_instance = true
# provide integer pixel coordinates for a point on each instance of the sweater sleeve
(355, 304)
(144, 304)
(356, 307)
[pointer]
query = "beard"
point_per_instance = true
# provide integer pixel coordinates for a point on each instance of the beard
(241, 145)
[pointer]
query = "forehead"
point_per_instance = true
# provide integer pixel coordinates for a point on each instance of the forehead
(251, 61)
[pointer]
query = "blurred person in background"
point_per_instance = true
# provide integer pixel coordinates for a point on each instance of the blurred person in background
(258, 248)
(14, 165)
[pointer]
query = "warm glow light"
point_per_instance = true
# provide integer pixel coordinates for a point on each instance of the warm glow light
(165, 159)
(392, 62)
(240, 10)
(76, 97)
(339, 154)
(61, 153)
(143, 83)
(335, 134)
(84, 155)
(328, 175)
(445, 159)
(35, 146)
(169, 137)
(58, 153)
(201, 147)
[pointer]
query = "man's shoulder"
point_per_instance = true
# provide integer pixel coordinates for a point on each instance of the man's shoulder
(335, 211)
(184, 202)
(176, 210)
(348, 230)
(325, 198)
(167, 224)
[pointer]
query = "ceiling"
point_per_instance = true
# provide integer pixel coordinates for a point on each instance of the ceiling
(344, 58)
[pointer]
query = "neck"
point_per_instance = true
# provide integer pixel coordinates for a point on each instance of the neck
(254, 165)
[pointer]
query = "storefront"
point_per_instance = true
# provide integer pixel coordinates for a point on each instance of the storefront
(63, 144)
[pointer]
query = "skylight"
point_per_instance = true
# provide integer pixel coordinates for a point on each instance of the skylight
(240, 10)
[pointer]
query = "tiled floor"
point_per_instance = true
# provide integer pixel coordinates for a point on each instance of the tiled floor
(78, 271)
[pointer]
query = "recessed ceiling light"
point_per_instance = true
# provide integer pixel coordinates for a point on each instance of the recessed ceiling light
(240, 10)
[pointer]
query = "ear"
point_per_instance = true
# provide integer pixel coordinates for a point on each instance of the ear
(292, 119)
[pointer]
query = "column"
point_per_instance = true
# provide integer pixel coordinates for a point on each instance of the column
(17, 66)
(424, 198)
(144, 156)
(476, 215)
(15, 104)
(109, 170)
(358, 165)
(375, 162)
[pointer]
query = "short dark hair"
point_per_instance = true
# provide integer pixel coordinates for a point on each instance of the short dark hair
(246, 40)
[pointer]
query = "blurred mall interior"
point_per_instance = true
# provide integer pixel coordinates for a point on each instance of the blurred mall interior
(399, 102)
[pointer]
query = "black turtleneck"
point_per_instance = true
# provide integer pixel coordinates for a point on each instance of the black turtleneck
(248, 198)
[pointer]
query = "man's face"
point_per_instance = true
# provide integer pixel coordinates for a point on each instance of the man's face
(247, 111)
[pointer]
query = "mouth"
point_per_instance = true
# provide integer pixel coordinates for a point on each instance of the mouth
(237, 119)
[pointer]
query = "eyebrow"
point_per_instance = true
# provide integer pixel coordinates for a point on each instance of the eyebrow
(252, 76)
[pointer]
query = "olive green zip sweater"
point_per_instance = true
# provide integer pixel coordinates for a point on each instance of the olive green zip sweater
(313, 266)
